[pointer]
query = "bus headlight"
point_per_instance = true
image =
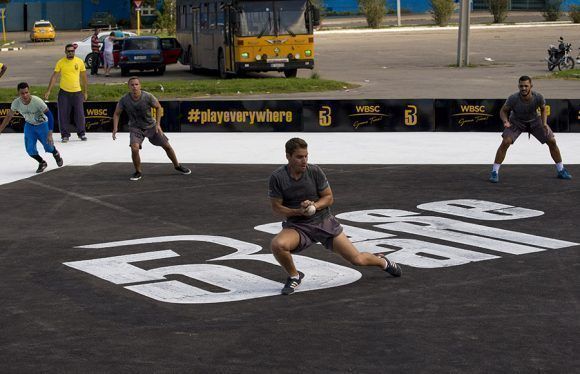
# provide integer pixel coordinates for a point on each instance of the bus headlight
(308, 53)
(297, 56)
(258, 57)
(245, 55)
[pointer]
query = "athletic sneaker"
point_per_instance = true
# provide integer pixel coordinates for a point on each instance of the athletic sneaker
(58, 159)
(563, 174)
(392, 267)
(292, 284)
(83, 138)
(494, 177)
(136, 176)
(41, 166)
(182, 169)
(64, 139)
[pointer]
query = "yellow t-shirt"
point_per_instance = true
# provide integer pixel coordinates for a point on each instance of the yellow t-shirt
(70, 73)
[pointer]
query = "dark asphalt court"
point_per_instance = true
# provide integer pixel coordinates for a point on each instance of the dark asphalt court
(513, 313)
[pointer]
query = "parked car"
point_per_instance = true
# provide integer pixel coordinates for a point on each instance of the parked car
(101, 19)
(84, 51)
(148, 53)
(42, 30)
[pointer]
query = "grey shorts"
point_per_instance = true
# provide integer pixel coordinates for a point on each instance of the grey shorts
(535, 128)
(310, 233)
(137, 136)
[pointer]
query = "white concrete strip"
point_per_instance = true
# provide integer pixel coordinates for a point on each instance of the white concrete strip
(448, 28)
(268, 148)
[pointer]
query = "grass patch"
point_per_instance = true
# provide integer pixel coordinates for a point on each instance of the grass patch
(573, 74)
(187, 89)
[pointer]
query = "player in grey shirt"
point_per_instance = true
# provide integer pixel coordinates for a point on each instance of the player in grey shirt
(520, 114)
(138, 104)
(300, 192)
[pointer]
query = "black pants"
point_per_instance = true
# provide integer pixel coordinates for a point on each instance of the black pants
(95, 63)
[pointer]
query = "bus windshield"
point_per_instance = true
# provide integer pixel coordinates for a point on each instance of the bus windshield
(259, 18)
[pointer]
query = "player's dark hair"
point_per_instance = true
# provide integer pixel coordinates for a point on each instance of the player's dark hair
(295, 143)
(68, 46)
(133, 78)
(22, 85)
(525, 78)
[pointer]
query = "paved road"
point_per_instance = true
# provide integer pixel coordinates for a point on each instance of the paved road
(409, 63)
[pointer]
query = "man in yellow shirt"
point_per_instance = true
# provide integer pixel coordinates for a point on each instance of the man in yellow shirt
(70, 96)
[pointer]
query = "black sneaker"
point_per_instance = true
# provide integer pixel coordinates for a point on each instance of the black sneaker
(392, 267)
(83, 138)
(41, 166)
(136, 176)
(292, 284)
(64, 139)
(182, 169)
(58, 159)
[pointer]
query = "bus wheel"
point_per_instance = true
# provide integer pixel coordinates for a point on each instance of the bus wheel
(222, 66)
(291, 73)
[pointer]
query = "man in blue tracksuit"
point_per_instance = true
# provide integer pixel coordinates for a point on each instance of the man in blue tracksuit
(38, 126)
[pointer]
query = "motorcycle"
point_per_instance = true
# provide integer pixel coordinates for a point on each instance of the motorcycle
(560, 56)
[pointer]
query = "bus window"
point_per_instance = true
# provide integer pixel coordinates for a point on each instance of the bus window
(220, 15)
(212, 16)
(291, 18)
(256, 18)
(204, 16)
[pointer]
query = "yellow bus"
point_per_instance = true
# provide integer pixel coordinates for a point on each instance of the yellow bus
(239, 36)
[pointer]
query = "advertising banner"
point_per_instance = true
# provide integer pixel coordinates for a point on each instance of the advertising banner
(468, 115)
(574, 115)
(247, 116)
(368, 115)
(99, 116)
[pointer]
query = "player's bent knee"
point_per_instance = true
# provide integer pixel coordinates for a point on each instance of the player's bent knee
(278, 245)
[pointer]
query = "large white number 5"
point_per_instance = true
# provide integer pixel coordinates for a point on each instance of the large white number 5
(237, 284)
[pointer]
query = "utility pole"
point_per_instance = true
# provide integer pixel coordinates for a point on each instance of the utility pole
(463, 39)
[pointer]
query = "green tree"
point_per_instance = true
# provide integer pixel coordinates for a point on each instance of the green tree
(441, 11)
(499, 9)
(374, 11)
(166, 18)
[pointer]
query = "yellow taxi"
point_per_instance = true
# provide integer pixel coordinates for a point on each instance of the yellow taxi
(42, 30)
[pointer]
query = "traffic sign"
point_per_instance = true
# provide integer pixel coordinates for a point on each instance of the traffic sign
(137, 3)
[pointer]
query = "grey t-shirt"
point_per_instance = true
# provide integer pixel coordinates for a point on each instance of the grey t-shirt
(293, 192)
(524, 111)
(139, 111)
(33, 112)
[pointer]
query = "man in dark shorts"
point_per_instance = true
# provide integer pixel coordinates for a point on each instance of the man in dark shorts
(137, 104)
(293, 188)
(519, 114)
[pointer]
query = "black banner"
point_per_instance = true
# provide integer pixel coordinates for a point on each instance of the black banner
(468, 115)
(247, 116)
(574, 115)
(321, 115)
(369, 115)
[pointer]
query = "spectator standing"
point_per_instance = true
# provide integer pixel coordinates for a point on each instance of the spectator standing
(71, 96)
(95, 47)
(108, 45)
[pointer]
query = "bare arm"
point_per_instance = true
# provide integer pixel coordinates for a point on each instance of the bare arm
(158, 114)
(283, 211)
(504, 115)
(85, 84)
(6, 120)
(544, 115)
(116, 116)
(50, 84)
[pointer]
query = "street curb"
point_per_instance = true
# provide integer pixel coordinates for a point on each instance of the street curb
(10, 49)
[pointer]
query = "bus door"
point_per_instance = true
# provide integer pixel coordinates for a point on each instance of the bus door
(208, 54)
